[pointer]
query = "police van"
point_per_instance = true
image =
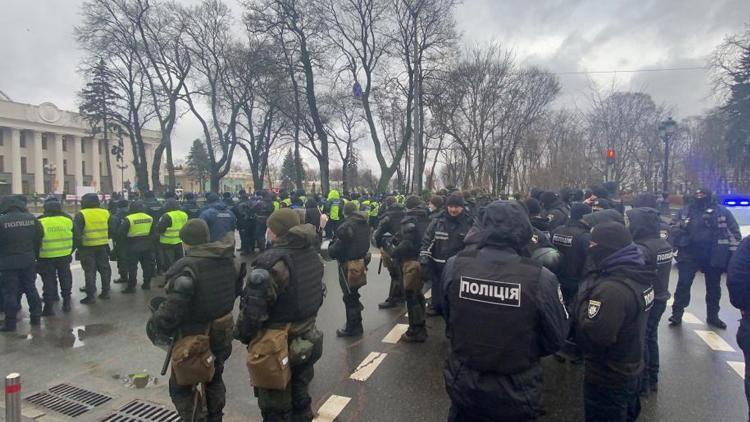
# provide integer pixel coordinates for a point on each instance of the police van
(740, 209)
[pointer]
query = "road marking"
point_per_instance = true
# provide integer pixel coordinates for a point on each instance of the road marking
(428, 294)
(331, 408)
(670, 301)
(690, 318)
(75, 267)
(714, 341)
(375, 255)
(739, 367)
(368, 366)
(395, 334)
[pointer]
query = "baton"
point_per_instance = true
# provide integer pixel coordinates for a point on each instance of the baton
(380, 266)
(165, 366)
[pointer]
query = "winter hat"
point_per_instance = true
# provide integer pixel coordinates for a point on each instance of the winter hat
(578, 210)
(608, 239)
(413, 202)
(437, 201)
(532, 205)
(350, 208)
(600, 192)
(282, 220)
(603, 204)
(548, 198)
(212, 197)
(455, 200)
(645, 200)
(195, 232)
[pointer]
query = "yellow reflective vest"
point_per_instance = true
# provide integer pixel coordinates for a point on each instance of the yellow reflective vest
(140, 224)
(58, 236)
(95, 227)
(172, 235)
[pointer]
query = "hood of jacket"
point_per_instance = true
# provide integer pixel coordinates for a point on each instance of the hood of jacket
(219, 205)
(171, 204)
(629, 256)
(644, 223)
(298, 237)
(503, 224)
(90, 200)
(10, 203)
(603, 216)
(333, 194)
(223, 248)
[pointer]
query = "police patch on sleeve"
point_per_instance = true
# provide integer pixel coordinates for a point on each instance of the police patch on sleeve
(490, 291)
(594, 306)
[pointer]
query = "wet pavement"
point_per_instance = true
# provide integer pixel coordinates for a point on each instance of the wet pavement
(104, 348)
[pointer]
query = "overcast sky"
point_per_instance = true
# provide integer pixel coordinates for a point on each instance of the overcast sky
(39, 58)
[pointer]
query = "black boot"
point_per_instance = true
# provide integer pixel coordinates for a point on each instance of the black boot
(353, 326)
(714, 321)
(121, 280)
(417, 332)
(88, 300)
(48, 309)
(35, 320)
(676, 319)
(128, 290)
(104, 295)
(66, 304)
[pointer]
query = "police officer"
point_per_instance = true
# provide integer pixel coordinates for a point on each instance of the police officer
(91, 233)
(155, 209)
(611, 313)
(285, 289)
(704, 234)
(55, 256)
(644, 225)
(136, 229)
(406, 253)
(221, 221)
(201, 290)
(168, 228)
(350, 247)
(190, 206)
(121, 210)
(738, 284)
(389, 225)
(443, 238)
(503, 314)
(538, 221)
(554, 210)
(20, 235)
(245, 223)
(263, 209)
(333, 208)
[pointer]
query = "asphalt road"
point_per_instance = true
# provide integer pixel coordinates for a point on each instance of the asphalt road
(99, 347)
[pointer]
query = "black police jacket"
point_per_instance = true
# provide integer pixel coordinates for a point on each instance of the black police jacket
(20, 237)
(191, 208)
(572, 242)
(645, 226)
(352, 240)
(738, 277)
(389, 223)
(445, 235)
(409, 237)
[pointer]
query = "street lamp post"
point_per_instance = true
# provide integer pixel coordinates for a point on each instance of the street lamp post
(50, 170)
(667, 129)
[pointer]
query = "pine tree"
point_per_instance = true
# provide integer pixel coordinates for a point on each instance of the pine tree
(97, 109)
(198, 165)
(289, 171)
(737, 108)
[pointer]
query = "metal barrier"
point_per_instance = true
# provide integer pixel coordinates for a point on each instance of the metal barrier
(13, 397)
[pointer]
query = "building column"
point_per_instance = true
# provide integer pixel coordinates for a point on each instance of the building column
(38, 163)
(95, 179)
(77, 162)
(15, 160)
(58, 180)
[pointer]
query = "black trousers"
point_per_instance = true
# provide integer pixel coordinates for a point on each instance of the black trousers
(650, 374)
(611, 403)
(743, 340)
(686, 274)
(247, 239)
(170, 254)
(146, 259)
(260, 236)
(15, 283)
(52, 271)
(95, 259)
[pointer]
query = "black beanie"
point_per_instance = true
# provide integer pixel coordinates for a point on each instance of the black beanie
(455, 200)
(413, 202)
(547, 198)
(647, 200)
(602, 203)
(532, 205)
(608, 238)
(578, 210)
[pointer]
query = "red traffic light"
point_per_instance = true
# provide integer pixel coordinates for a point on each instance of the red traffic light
(611, 154)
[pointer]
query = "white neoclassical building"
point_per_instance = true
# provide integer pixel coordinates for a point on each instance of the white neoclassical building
(44, 149)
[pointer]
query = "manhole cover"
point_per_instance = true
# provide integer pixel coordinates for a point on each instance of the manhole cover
(68, 400)
(143, 411)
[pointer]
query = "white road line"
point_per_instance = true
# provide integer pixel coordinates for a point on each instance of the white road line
(75, 267)
(368, 366)
(739, 368)
(689, 318)
(395, 334)
(331, 408)
(375, 255)
(670, 302)
(714, 341)
(428, 294)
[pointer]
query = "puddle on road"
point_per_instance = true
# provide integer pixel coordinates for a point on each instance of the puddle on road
(71, 338)
(138, 380)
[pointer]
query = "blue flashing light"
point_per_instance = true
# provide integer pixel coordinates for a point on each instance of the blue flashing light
(730, 203)
(737, 202)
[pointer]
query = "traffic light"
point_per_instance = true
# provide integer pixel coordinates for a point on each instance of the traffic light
(610, 156)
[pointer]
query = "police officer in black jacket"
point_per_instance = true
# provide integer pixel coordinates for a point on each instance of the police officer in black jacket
(263, 209)
(118, 251)
(443, 239)
(644, 225)
(611, 313)
(554, 210)
(738, 284)
(503, 314)
(190, 206)
(20, 236)
(351, 242)
(201, 290)
(393, 213)
(705, 233)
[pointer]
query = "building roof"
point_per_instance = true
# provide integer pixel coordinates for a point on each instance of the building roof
(4, 96)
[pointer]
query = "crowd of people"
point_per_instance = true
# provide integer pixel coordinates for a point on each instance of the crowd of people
(572, 273)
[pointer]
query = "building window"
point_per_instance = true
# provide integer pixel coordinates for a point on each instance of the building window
(100, 168)
(2, 164)
(44, 162)
(83, 145)
(44, 141)
(83, 167)
(2, 137)
(67, 187)
(65, 167)
(23, 139)
(23, 165)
